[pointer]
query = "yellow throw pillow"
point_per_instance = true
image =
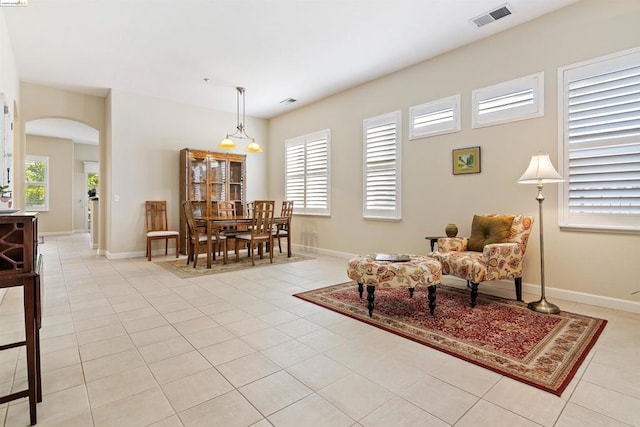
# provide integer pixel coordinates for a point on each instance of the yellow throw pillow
(489, 229)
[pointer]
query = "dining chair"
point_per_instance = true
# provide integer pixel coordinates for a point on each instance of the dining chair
(260, 232)
(282, 229)
(198, 238)
(156, 226)
(227, 209)
(249, 212)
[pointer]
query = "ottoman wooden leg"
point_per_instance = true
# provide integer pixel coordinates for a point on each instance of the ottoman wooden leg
(432, 298)
(474, 293)
(370, 298)
(360, 289)
(411, 292)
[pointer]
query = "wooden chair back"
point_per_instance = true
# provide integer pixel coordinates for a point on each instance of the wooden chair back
(249, 212)
(287, 208)
(263, 218)
(156, 215)
(226, 208)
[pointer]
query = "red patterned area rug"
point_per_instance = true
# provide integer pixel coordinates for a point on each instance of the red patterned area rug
(502, 335)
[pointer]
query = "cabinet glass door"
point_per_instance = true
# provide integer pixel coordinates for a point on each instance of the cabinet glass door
(218, 179)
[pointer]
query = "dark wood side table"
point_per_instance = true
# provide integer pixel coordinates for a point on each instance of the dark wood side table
(433, 240)
(21, 266)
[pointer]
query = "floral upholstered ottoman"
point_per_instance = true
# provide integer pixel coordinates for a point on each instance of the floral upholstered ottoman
(393, 271)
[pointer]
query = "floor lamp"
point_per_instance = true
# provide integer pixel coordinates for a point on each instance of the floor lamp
(539, 172)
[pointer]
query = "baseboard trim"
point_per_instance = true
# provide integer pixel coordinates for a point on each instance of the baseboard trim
(531, 288)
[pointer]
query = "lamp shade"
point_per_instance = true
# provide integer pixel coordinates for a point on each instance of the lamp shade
(253, 147)
(227, 144)
(540, 171)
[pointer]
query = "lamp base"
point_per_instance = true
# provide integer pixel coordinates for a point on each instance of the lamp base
(543, 306)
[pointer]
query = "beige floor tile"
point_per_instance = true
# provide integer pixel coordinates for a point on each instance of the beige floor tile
(195, 389)
(265, 338)
(277, 317)
(140, 409)
(440, 399)
(66, 408)
(172, 421)
(322, 340)
(466, 376)
(88, 336)
(58, 343)
(289, 353)
(144, 323)
(577, 416)
(196, 324)
(526, 401)
(152, 336)
(229, 410)
(209, 337)
(355, 395)
(624, 379)
(59, 359)
(165, 349)
(299, 327)
(112, 364)
(180, 366)
(272, 393)
(118, 386)
(318, 372)
(183, 315)
(226, 351)
(486, 413)
(607, 402)
(141, 313)
(399, 412)
(314, 410)
(96, 322)
(105, 347)
(246, 326)
(230, 316)
(247, 369)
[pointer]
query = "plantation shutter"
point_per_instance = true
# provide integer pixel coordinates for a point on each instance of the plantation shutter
(382, 167)
(307, 173)
(435, 118)
(602, 143)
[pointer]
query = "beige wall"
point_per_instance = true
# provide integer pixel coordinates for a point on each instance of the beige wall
(146, 137)
(58, 219)
(577, 263)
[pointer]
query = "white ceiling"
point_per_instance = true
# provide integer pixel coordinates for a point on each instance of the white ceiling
(303, 49)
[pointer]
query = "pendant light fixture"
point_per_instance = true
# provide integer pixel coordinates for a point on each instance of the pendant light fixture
(240, 133)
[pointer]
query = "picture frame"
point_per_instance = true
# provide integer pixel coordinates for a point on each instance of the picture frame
(466, 160)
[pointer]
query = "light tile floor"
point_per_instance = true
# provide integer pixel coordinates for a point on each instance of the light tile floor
(125, 343)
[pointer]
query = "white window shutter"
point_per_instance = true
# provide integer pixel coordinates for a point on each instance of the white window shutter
(435, 118)
(600, 127)
(307, 174)
(382, 156)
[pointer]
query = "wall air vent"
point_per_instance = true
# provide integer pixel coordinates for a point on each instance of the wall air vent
(494, 15)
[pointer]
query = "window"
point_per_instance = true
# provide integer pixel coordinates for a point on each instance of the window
(600, 143)
(382, 166)
(36, 189)
(510, 101)
(307, 173)
(435, 118)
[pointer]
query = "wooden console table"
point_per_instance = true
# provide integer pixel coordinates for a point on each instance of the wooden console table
(21, 266)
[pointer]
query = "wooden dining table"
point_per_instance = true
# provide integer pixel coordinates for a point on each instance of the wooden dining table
(217, 222)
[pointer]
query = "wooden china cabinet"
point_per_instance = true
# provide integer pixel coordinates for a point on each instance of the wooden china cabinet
(205, 178)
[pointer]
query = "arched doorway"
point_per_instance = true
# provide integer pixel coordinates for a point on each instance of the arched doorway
(71, 151)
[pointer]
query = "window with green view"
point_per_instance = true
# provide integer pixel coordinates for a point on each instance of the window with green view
(36, 190)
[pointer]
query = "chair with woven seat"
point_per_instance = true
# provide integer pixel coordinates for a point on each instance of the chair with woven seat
(227, 209)
(197, 238)
(494, 251)
(156, 226)
(260, 232)
(282, 229)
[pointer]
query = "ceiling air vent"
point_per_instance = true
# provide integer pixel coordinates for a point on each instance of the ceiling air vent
(494, 15)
